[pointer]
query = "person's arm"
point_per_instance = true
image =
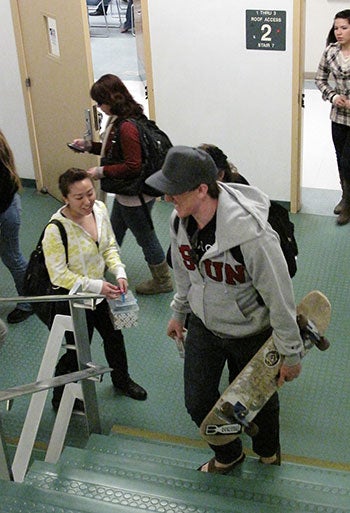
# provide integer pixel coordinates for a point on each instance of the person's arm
(179, 305)
(268, 270)
(7, 188)
(322, 76)
(129, 163)
(110, 252)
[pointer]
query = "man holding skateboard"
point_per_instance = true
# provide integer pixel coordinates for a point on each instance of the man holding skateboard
(232, 279)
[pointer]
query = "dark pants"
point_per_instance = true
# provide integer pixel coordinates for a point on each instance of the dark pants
(341, 141)
(205, 357)
(113, 343)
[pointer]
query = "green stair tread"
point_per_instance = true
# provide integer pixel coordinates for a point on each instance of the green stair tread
(290, 480)
(171, 453)
(259, 486)
(191, 457)
(148, 494)
(21, 498)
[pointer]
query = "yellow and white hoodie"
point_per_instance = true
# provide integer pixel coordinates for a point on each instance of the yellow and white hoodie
(87, 259)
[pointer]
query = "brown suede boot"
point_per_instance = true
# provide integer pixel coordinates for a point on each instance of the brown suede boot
(344, 216)
(161, 280)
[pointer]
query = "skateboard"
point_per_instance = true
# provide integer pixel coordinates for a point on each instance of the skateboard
(237, 407)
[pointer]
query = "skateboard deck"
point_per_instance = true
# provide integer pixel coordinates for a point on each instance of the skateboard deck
(257, 382)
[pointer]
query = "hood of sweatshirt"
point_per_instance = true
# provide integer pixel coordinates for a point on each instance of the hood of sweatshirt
(242, 215)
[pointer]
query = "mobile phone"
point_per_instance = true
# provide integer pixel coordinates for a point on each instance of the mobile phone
(75, 147)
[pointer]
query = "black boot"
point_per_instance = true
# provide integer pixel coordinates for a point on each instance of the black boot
(99, 11)
(344, 216)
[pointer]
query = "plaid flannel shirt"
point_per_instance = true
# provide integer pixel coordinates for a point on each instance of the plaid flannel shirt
(329, 65)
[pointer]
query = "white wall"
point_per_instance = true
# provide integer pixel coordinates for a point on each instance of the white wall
(13, 120)
(210, 88)
(225, 30)
(319, 19)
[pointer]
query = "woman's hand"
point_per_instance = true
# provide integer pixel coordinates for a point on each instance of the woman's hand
(123, 285)
(109, 290)
(340, 101)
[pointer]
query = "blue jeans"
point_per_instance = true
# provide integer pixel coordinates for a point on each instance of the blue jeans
(10, 252)
(205, 357)
(136, 220)
(341, 141)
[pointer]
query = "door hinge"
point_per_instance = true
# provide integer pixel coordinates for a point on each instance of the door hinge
(28, 82)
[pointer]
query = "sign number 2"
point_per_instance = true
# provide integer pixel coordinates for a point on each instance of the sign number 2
(266, 30)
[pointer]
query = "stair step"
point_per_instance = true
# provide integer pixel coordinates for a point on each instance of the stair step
(21, 498)
(191, 457)
(159, 451)
(135, 490)
(289, 487)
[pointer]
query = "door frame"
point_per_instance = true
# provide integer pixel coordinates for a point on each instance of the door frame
(297, 102)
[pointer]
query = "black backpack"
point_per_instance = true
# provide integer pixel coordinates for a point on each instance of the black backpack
(37, 281)
(154, 145)
(280, 222)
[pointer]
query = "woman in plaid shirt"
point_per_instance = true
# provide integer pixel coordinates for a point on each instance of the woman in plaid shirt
(335, 61)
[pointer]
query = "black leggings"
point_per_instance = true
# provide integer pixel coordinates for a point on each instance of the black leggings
(113, 343)
(341, 141)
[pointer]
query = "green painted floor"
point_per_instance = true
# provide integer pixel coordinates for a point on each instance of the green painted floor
(315, 409)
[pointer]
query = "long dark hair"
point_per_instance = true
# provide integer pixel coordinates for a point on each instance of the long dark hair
(343, 15)
(110, 90)
(229, 170)
(7, 158)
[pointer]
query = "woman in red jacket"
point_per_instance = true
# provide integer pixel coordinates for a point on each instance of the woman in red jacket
(121, 154)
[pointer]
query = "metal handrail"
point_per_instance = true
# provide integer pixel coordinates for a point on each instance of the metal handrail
(86, 374)
(81, 296)
(38, 386)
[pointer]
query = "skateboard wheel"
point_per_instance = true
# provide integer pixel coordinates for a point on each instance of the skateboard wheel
(252, 429)
(323, 344)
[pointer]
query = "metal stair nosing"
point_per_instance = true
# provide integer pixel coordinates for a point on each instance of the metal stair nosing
(19, 497)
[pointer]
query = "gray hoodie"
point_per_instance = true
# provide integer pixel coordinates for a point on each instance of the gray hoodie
(223, 292)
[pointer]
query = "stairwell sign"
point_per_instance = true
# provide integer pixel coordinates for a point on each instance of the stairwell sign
(266, 30)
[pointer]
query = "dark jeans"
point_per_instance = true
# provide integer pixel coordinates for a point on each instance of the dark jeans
(341, 141)
(113, 344)
(205, 357)
(135, 219)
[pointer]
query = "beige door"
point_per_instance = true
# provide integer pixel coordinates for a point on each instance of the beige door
(56, 68)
